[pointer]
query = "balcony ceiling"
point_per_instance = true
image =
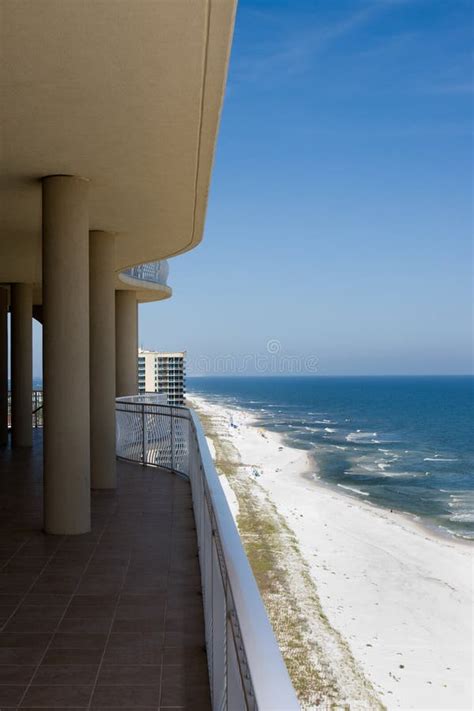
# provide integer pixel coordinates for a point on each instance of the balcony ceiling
(125, 93)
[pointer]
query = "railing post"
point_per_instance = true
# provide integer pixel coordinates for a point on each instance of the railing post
(143, 436)
(172, 440)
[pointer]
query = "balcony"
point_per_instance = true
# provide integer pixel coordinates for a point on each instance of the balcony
(150, 280)
(157, 607)
(246, 670)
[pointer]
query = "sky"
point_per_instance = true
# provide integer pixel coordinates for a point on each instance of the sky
(339, 225)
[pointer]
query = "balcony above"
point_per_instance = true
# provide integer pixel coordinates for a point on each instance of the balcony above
(125, 94)
(148, 280)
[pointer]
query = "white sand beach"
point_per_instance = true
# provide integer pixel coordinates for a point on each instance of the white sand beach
(400, 596)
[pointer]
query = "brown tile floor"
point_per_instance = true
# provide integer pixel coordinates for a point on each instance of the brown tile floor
(109, 620)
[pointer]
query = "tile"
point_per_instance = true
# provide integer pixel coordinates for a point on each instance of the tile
(57, 708)
(87, 625)
(20, 655)
(39, 612)
(154, 629)
(10, 600)
(56, 583)
(19, 565)
(15, 674)
(130, 611)
(180, 686)
(85, 610)
(13, 639)
(142, 651)
(58, 674)
(67, 567)
(183, 655)
(126, 708)
(18, 624)
(56, 599)
(143, 598)
(73, 656)
(183, 638)
(16, 582)
(78, 640)
(134, 675)
(6, 611)
(50, 696)
(11, 695)
(125, 696)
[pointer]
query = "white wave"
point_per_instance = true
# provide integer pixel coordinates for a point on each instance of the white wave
(328, 429)
(466, 516)
(439, 459)
(356, 491)
(361, 436)
(465, 535)
(403, 475)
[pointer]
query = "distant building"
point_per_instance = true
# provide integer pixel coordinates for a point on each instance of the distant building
(163, 373)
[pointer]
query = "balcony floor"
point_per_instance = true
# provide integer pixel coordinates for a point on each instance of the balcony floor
(111, 619)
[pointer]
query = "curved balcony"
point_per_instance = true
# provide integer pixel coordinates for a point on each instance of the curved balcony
(156, 272)
(149, 280)
(246, 669)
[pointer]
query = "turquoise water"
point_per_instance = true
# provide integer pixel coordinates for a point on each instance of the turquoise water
(405, 443)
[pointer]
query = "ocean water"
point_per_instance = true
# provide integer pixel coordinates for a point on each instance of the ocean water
(405, 443)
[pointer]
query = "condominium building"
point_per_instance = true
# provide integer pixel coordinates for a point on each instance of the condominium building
(163, 373)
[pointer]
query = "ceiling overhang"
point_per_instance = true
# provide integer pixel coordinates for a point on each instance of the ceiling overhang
(125, 93)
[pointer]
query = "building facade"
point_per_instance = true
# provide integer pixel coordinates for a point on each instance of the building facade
(163, 373)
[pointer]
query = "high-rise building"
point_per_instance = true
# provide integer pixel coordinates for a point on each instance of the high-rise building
(163, 373)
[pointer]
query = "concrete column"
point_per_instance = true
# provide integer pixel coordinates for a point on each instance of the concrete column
(3, 367)
(66, 355)
(102, 359)
(126, 339)
(22, 364)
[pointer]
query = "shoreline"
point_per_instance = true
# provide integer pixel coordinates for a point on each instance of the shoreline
(421, 525)
(396, 592)
(424, 525)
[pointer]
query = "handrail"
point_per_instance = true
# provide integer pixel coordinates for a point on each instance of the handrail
(246, 668)
(37, 402)
(272, 687)
(154, 272)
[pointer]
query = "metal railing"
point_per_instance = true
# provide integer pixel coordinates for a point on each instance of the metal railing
(246, 669)
(36, 408)
(155, 272)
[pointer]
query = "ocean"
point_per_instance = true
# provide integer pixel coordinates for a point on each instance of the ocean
(404, 443)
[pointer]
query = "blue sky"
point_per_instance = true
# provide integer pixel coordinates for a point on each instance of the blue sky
(340, 216)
